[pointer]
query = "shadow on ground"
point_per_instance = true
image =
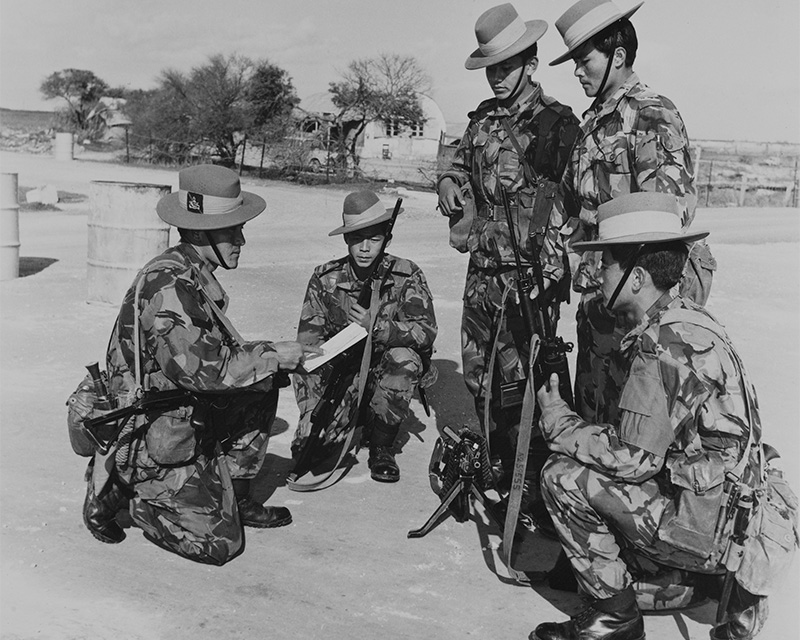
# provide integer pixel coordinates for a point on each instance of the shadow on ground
(32, 266)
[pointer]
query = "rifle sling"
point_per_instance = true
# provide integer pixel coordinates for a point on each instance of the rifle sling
(336, 472)
(520, 463)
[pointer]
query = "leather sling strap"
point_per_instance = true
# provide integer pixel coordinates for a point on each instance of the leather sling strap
(520, 463)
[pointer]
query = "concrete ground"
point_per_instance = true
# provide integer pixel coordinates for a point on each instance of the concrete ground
(344, 569)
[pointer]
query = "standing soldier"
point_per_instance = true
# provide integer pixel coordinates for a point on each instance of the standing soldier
(187, 468)
(389, 297)
(632, 139)
(518, 142)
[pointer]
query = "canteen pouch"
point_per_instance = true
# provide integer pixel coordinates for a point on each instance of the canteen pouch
(170, 436)
(461, 222)
(771, 537)
(80, 407)
(690, 519)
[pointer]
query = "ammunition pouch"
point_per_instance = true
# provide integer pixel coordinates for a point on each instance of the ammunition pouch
(689, 522)
(771, 537)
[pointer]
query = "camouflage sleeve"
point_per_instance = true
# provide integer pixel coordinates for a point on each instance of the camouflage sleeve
(312, 327)
(552, 254)
(662, 157)
(598, 446)
(414, 323)
(565, 134)
(460, 168)
(189, 347)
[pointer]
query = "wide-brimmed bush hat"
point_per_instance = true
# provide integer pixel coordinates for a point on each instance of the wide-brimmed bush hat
(362, 209)
(501, 35)
(585, 19)
(644, 217)
(209, 197)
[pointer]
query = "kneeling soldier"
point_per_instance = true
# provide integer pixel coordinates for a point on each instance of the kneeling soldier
(655, 483)
(186, 469)
(400, 320)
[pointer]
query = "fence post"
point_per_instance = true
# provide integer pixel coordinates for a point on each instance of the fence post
(244, 146)
(708, 186)
(261, 165)
(743, 190)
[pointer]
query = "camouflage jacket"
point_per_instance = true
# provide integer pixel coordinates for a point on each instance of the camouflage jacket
(682, 409)
(634, 141)
(405, 314)
(184, 345)
(486, 159)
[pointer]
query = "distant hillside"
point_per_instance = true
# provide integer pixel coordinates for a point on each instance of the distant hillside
(28, 121)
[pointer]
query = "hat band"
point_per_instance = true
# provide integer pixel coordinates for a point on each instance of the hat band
(208, 205)
(512, 32)
(636, 222)
(583, 27)
(373, 213)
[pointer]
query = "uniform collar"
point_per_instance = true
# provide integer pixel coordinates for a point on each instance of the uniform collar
(532, 102)
(205, 276)
(611, 103)
(651, 317)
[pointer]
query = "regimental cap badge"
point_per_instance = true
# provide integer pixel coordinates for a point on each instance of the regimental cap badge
(194, 202)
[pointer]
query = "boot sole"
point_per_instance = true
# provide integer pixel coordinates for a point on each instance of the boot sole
(381, 478)
(271, 525)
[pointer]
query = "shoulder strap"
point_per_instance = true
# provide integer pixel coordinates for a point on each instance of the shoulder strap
(546, 119)
(674, 316)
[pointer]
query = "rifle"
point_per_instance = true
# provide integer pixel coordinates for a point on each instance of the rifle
(553, 350)
(343, 369)
(105, 429)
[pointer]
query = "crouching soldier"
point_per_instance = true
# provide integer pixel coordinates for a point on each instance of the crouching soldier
(389, 297)
(186, 468)
(681, 479)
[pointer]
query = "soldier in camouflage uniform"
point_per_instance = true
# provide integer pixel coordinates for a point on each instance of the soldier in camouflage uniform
(527, 163)
(683, 423)
(187, 470)
(632, 139)
(403, 328)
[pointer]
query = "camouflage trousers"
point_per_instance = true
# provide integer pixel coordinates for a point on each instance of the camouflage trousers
(390, 386)
(600, 368)
(599, 519)
(191, 509)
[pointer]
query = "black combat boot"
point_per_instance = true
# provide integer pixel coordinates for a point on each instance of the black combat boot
(615, 618)
(255, 514)
(381, 462)
(100, 511)
(746, 614)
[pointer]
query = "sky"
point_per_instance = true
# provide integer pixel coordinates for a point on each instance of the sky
(732, 67)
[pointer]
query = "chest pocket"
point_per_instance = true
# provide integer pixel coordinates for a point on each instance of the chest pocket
(645, 421)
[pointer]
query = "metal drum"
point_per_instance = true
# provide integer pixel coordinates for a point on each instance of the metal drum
(124, 233)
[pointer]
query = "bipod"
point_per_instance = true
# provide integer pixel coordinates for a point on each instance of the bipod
(468, 454)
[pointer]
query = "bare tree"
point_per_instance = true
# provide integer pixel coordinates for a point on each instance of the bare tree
(385, 88)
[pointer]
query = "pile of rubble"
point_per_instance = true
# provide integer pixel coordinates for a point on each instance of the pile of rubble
(26, 141)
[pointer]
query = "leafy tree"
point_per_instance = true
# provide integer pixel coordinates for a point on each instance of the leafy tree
(272, 98)
(80, 88)
(211, 108)
(385, 88)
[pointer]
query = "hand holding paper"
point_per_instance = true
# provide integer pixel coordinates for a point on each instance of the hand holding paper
(346, 338)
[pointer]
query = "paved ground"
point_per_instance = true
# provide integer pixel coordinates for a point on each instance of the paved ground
(344, 569)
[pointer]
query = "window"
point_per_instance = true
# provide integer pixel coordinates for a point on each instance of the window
(416, 130)
(393, 128)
